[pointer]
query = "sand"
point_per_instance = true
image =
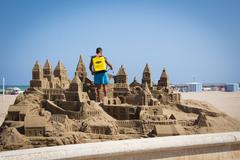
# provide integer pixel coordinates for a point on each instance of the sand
(227, 102)
(92, 115)
(5, 101)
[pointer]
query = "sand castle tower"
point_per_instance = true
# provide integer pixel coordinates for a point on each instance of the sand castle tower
(76, 83)
(37, 77)
(146, 78)
(144, 96)
(37, 71)
(47, 69)
(75, 89)
(121, 88)
(164, 80)
(61, 72)
(47, 73)
(121, 76)
(81, 69)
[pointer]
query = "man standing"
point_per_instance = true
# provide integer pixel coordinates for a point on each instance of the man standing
(98, 68)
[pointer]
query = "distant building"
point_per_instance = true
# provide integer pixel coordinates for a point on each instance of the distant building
(195, 87)
(231, 87)
(181, 87)
(213, 87)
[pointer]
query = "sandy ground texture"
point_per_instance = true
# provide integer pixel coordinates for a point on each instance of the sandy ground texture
(5, 101)
(227, 102)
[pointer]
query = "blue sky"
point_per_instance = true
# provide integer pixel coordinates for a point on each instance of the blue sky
(193, 39)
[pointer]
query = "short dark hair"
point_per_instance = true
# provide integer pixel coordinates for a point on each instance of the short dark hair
(98, 50)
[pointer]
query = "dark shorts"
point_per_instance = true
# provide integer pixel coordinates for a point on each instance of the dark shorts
(101, 78)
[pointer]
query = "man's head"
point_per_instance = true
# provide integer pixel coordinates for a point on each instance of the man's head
(99, 51)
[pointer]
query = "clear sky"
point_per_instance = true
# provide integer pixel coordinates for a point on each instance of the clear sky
(193, 39)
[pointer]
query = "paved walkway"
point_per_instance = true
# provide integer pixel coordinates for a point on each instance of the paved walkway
(5, 101)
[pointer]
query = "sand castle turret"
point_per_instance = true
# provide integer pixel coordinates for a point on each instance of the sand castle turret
(121, 88)
(121, 76)
(37, 77)
(164, 80)
(47, 69)
(37, 71)
(47, 73)
(61, 72)
(146, 78)
(75, 91)
(81, 69)
(76, 83)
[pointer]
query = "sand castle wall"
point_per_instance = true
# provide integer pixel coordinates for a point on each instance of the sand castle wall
(198, 147)
(189, 109)
(50, 106)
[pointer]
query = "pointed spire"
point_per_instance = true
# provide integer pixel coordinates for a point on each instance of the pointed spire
(37, 66)
(164, 73)
(134, 79)
(147, 76)
(164, 80)
(81, 69)
(60, 66)
(47, 69)
(76, 83)
(60, 71)
(80, 59)
(146, 68)
(80, 64)
(37, 71)
(76, 79)
(47, 65)
(121, 71)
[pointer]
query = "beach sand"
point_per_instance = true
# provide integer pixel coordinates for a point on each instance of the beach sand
(227, 102)
(5, 101)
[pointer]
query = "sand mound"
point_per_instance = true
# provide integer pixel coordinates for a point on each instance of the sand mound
(19, 98)
(97, 119)
(12, 139)
(200, 105)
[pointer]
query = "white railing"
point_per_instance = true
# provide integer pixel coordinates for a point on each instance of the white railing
(203, 146)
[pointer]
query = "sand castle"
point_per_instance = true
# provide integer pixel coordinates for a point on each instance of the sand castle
(57, 111)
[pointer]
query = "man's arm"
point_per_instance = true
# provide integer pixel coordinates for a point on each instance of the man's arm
(91, 66)
(109, 64)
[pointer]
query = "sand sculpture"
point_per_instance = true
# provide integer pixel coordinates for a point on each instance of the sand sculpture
(57, 111)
